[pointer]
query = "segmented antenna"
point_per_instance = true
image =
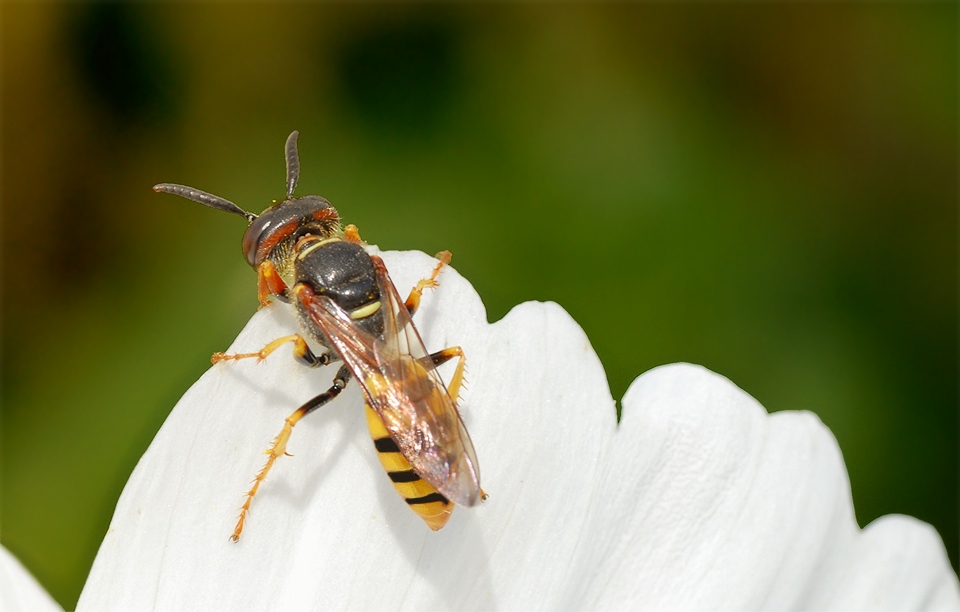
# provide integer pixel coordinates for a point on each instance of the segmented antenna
(293, 162)
(202, 197)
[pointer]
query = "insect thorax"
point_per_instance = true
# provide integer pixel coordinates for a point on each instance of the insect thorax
(343, 272)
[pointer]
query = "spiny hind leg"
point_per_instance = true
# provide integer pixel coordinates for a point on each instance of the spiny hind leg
(301, 351)
(279, 446)
(413, 300)
(441, 357)
(457, 382)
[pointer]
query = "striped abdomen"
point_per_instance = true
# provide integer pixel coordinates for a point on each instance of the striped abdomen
(433, 508)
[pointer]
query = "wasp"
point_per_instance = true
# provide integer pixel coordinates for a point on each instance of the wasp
(345, 302)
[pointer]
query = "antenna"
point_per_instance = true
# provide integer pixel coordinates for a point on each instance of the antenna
(202, 197)
(293, 162)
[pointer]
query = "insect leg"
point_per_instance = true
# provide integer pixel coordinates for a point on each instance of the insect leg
(352, 234)
(270, 283)
(441, 357)
(279, 446)
(301, 352)
(413, 300)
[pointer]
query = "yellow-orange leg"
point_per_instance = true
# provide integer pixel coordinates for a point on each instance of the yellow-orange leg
(270, 283)
(352, 234)
(441, 357)
(456, 383)
(413, 300)
(279, 446)
(301, 352)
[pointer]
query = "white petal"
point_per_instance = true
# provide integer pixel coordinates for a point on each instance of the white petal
(19, 590)
(712, 503)
(898, 564)
(327, 529)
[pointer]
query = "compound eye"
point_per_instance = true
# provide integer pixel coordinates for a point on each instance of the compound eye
(252, 238)
(267, 232)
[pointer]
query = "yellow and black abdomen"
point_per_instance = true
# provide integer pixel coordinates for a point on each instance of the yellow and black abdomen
(433, 508)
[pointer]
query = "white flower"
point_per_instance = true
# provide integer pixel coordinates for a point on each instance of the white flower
(19, 590)
(698, 499)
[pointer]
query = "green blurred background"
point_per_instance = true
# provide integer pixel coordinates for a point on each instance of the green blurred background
(769, 191)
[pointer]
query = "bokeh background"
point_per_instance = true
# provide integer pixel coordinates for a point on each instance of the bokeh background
(767, 190)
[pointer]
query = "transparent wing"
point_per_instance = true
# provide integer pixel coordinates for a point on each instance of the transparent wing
(403, 387)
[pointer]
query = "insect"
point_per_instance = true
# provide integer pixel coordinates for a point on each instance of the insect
(346, 302)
